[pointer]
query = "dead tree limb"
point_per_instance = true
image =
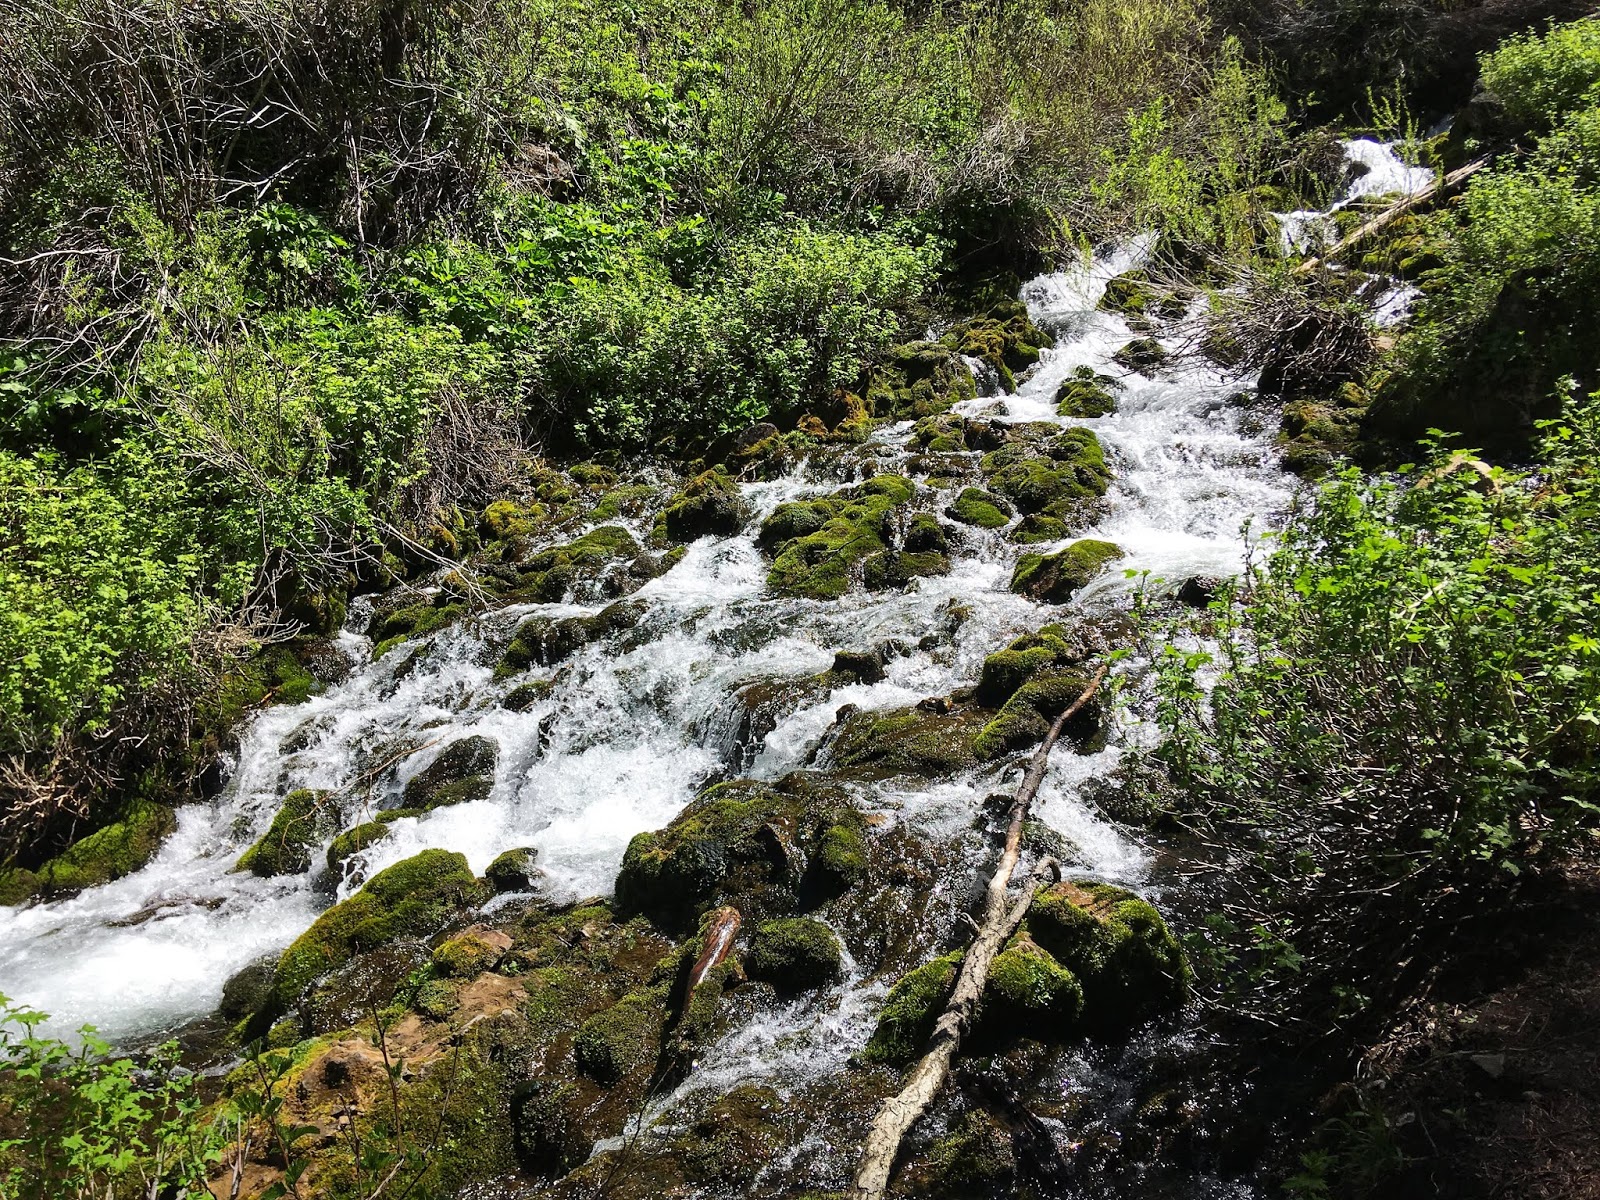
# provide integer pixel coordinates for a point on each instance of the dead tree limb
(1390, 215)
(900, 1112)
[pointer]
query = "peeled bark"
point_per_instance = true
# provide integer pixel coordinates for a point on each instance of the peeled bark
(1000, 920)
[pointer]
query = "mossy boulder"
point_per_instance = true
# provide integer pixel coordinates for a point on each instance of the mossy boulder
(1086, 394)
(544, 641)
(1056, 578)
(1037, 527)
(1060, 476)
(908, 740)
(392, 625)
(755, 846)
(469, 953)
(305, 817)
(109, 853)
(1117, 945)
(507, 519)
(975, 1158)
(356, 839)
(273, 675)
(819, 543)
(1004, 337)
(1142, 356)
(897, 568)
(924, 535)
(1030, 993)
(525, 695)
(551, 575)
(710, 503)
(794, 955)
(514, 870)
(412, 898)
(942, 434)
(548, 1132)
(910, 1010)
(624, 1038)
(462, 772)
(1028, 656)
(974, 506)
(916, 380)
(1027, 716)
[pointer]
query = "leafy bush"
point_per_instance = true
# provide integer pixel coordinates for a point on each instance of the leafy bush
(1541, 77)
(1405, 711)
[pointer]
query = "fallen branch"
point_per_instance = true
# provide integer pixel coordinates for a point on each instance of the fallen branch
(1390, 215)
(900, 1112)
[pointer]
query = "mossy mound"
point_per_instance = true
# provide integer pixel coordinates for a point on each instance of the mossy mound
(109, 853)
(525, 695)
(624, 1037)
(1055, 578)
(974, 506)
(709, 503)
(818, 543)
(273, 675)
(358, 838)
(1004, 337)
(975, 1158)
(794, 955)
(551, 575)
(468, 953)
(942, 434)
(1027, 716)
(1032, 654)
(910, 1010)
(1117, 945)
(304, 818)
(759, 847)
(513, 870)
(1029, 992)
(544, 641)
(392, 625)
(1142, 356)
(924, 535)
(909, 740)
(916, 380)
(410, 899)
(897, 568)
(1060, 476)
(1086, 394)
(507, 519)
(1136, 294)
(463, 772)
(1037, 527)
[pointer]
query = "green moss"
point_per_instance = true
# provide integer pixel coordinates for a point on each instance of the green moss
(910, 1010)
(973, 1159)
(710, 503)
(525, 695)
(592, 475)
(1129, 292)
(623, 502)
(818, 564)
(1058, 477)
(1036, 527)
(1055, 578)
(944, 434)
(924, 535)
(545, 641)
(794, 955)
(410, 899)
(547, 1127)
(1005, 338)
(274, 675)
(1007, 670)
(1142, 355)
(18, 885)
(507, 519)
(1086, 394)
(623, 1038)
(1117, 945)
(110, 853)
(974, 506)
(354, 840)
(436, 998)
(465, 955)
(1027, 716)
(1028, 992)
(916, 380)
(514, 870)
(549, 575)
(908, 740)
(463, 772)
(303, 819)
(897, 568)
(841, 857)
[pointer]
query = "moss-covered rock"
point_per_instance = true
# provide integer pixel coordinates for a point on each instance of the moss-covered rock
(410, 899)
(1037, 527)
(1142, 356)
(549, 1135)
(975, 1158)
(507, 519)
(1061, 476)
(974, 506)
(1086, 394)
(908, 739)
(514, 870)
(710, 503)
(18, 884)
(897, 568)
(1032, 654)
(924, 535)
(551, 575)
(910, 1010)
(1030, 993)
(462, 772)
(305, 817)
(841, 531)
(356, 839)
(794, 954)
(544, 641)
(916, 380)
(1128, 962)
(1027, 716)
(109, 853)
(1005, 338)
(392, 625)
(273, 675)
(1055, 578)
(525, 695)
(470, 953)
(942, 434)
(752, 845)
(623, 1038)
(841, 857)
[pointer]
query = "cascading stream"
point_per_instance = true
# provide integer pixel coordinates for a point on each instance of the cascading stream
(630, 731)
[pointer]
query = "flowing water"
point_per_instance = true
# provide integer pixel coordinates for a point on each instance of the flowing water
(631, 729)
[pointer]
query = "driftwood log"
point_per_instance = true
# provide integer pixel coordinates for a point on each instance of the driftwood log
(1390, 215)
(1000, 920)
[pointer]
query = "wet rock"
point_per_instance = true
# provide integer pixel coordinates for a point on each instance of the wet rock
(908, 740)
(896, 569)
(709, 504)
(1036, 527)
(548, 1132)
(514, 871)
(463, 772)
(943, 434)
(249, 989)
(863, 666)
(107, 854)
(552, 574)
(1027, 716)
(470, 952)
(1032, 654)
(1004, 337)
(974, 506)
(1062, 477)
(1055, 578)
(1198, 591)
(624, 1038)
(545, 641)
(349, 993)
(359, 837)
(841, 531)
(1031, 993)
(926, 536)
(916, 380)
(525, 695)
(910, 1010)
(1142, 356)
(974, 1159)
(794, 955)
(304, 818)
(1086, 394)
(412, 898)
